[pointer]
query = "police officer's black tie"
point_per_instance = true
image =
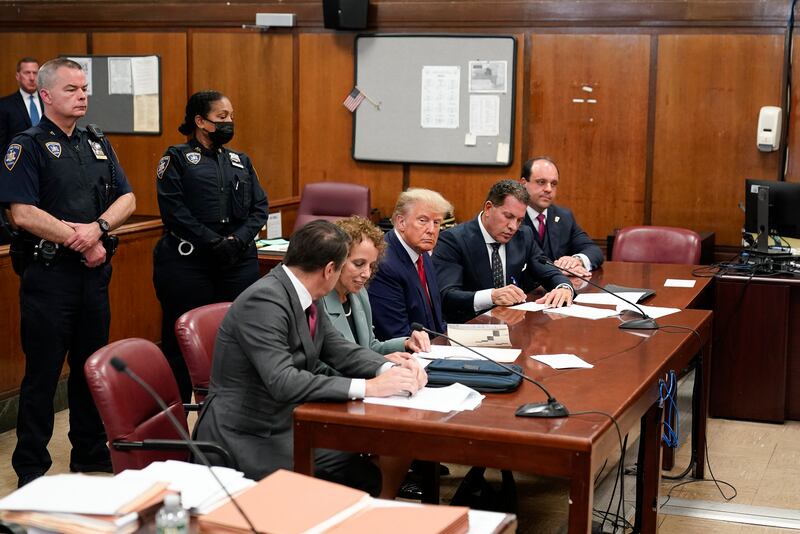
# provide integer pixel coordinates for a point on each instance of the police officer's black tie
(498, 277)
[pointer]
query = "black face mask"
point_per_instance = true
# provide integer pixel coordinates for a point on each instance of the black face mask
(223, 133)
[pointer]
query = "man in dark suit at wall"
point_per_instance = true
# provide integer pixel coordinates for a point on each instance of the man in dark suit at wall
(554, 227)
(405, 289)
(275, 351)
(21, 109)
(492, 260)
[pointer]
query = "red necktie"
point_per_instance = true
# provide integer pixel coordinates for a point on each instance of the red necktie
(311, 313)
(422, 279)
(540, 218)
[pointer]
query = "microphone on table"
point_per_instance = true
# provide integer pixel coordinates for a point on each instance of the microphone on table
(122, 367)
(551, 408)
(645, 323)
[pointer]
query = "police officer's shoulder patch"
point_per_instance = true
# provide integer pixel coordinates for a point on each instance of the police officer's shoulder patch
(54, 148)
(12, 155)
(193, 157)
(163, 163)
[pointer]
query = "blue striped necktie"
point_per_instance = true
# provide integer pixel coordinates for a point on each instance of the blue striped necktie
(34, 112)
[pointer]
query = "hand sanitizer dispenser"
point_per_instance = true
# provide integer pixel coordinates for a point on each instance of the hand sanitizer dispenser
(768, 137)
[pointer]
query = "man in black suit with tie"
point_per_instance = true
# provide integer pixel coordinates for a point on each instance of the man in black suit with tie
(554, 227)
(23, 108)
(493, 259)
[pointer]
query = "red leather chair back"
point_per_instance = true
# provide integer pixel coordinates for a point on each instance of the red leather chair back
(657, 244)
(196, 331)
(332, 201)
(127, 411)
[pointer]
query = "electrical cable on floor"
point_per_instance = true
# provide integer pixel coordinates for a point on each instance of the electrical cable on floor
(619, 477)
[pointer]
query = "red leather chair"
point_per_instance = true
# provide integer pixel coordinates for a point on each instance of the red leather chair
(331, 201)
(657, 244)
(137, 429)
(196, 331)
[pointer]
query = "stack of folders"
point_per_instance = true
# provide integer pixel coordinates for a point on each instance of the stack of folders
(77, 504)
(290, 503)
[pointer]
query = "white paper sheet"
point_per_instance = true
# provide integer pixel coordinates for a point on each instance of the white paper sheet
(488, 76)
(145, 113)
(86, 65)
(274, 225)
(76, 494)
(529, 306)
(582, 312)
(460, 353)
(119, 76)
(480, 335)
(562, 361)
(145, 75)
(440, 96)
(484, 115)
(605, 298)
(652, 311)
(455, 397)
(677, 282)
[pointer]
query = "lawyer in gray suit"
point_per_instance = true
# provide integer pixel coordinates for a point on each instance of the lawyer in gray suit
(274, 351)
(347, 306)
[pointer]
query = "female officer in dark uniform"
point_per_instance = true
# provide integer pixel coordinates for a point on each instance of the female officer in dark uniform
(212, 207)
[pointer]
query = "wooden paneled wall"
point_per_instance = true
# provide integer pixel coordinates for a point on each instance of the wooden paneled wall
(670, 139)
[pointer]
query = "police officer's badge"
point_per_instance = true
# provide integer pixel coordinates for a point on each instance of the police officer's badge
(97, 149)
(193, 157)
(163, 163)
(235, 161)
(54, 148)
(12, 155)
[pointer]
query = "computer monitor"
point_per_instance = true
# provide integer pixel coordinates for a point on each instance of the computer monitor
(781, 203)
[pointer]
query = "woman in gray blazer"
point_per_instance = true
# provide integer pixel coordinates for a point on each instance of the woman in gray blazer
(347, 305)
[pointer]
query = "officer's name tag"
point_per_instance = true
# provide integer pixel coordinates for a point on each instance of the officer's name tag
(235, 161)
(97, 149)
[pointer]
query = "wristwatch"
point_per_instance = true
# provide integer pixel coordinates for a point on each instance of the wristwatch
(104, 226)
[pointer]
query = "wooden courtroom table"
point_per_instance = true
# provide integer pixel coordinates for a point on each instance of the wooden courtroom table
(623, 383)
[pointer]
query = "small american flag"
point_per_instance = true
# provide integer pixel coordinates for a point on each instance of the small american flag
(354, 99)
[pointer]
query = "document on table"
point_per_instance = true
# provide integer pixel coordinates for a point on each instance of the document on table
(76, 494)
(459, 353)
(480, 335)
(582, 312)
(677, 282)
(606, 298)
(199, 491)
(529, 306)
(562, 361)
(455, 397)
(652, 311)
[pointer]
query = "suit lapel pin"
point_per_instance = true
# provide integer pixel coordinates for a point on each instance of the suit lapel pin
(557, 218)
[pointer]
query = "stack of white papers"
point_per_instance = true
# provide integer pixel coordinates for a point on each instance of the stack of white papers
(450, 352)
(607, 298)
(455, 397)
(199, 491)
(76, 494)
(582, 312)
(677, 282)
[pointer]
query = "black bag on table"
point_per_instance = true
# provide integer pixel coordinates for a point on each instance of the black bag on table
(480, 375)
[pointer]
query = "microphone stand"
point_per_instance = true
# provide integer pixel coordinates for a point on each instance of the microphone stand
(122, 367)
(551, 408)
(645, 323)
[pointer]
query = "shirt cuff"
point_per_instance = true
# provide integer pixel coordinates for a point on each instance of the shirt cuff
(568, 286)
(482, 300)
(358, 388)
(587, 264)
